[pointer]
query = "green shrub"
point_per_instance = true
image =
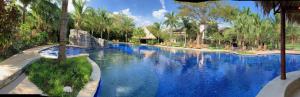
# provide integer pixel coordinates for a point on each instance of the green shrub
(51, 77)
(134, 40)
(152, 42)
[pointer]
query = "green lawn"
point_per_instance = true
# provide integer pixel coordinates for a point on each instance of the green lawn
(1, 59)
(293, 47)
(244, 52)
(51, 77)
(215, 48)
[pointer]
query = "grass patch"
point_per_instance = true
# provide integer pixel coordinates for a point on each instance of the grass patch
(244, 52)
(293, 47)
(51, 77)
(215, 48)
(1, 59)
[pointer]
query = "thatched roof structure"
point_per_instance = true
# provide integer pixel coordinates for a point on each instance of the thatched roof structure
(149, 35)
(292, 8)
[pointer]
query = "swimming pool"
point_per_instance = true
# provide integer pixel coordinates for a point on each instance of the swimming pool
(148, 71)
(52, 52)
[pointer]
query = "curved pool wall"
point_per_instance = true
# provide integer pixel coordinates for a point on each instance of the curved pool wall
(52, 52)
(149, 71)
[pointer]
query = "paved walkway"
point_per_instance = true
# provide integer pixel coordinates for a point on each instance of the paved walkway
(12, 69)
(21, 85)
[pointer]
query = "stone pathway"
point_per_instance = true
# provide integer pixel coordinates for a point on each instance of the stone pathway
(21, 85)
(12, 68)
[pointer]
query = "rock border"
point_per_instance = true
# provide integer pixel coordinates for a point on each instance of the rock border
(90, 88)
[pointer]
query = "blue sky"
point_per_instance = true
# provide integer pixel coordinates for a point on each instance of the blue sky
(145, 12)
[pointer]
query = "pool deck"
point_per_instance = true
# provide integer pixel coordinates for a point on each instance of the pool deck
(282, 88)
(13, 67)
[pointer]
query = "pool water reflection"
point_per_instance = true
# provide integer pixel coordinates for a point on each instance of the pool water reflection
(148, 71)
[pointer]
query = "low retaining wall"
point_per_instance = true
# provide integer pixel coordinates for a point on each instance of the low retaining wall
(90, 88)
(281, 88)
(14, 66)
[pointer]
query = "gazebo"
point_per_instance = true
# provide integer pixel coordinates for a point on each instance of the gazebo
(289, 10)
(148, 36)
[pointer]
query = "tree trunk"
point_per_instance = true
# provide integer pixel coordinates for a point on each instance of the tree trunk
(198, 39)
(108, 34)
(126, 36)
(101, 34)
(171, 32)
(293, 42)
(92, 32)
(185, 39)
(62, 34)
(203, 36)
(24, 14)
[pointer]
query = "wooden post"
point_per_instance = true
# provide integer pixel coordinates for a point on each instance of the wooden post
(282, 43)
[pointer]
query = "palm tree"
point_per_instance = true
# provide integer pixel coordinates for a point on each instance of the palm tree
(171, 21)
(25, 4)
(128, 26)
(108, 22)
(186, 25)
(157, 27)
(102, 19)
(62, 34)
(89, 20)
(78, 14)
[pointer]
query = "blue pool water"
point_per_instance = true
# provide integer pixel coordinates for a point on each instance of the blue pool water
(52, 52)
(148, 71)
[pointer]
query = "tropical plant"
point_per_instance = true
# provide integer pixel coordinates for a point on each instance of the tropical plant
(79, 6)
(25, 4)
(89, 23)
(9, 23)
(171, 21)
(44, 17)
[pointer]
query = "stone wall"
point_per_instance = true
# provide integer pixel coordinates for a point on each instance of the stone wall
(84, 39)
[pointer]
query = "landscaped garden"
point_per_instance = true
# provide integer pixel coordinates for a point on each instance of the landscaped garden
(52, 77)
(182, 49)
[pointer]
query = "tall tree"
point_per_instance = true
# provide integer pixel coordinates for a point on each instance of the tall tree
(171, 22)
(198, 11)
(46, 17)
(63, 31)
(25, 4)
(89, 23)
(78, 15)
(128, 26)
(79, 6)
(9, 23)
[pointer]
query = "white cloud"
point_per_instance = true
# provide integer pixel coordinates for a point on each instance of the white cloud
(159, 14)
(139, 20)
